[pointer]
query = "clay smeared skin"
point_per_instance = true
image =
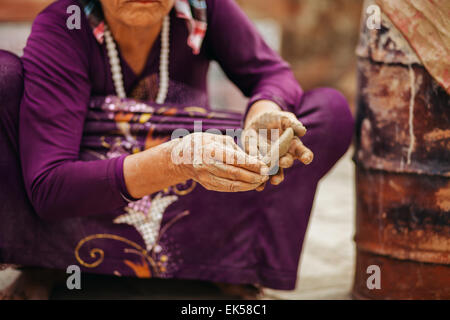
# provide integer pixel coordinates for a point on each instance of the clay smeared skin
(282, 145)
(267, 115)
(214, 161)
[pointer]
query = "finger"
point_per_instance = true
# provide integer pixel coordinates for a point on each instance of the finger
(239, 158)
(307, 156)
(295, 148)
(290, 120)
(263, 144)
(285, 122)
(299, 129)
(250, 143)
(229, 142)
(278, 178)
(279, 148)
(211, 182)
(300, 151)
(246, 137)
(286, 161)
(261, 187)
(235, 173)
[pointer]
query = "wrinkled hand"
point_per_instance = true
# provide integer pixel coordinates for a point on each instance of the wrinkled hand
(217, 163)
(281, 120)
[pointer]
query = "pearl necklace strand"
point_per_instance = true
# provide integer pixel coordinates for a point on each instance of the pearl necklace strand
(116, 70)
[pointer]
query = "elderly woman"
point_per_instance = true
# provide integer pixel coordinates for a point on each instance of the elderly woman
(99, 105)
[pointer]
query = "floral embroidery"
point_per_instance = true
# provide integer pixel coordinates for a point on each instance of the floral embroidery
(145, 215)
(159, 255)
(159, 261)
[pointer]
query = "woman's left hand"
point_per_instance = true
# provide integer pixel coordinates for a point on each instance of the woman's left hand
(265, 114)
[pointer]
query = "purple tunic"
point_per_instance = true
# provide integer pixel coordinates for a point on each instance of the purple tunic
(72, 147)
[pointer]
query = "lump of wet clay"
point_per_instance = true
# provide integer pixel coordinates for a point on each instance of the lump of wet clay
(278, 149)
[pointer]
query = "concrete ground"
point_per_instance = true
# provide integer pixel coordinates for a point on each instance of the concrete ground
(327, 264)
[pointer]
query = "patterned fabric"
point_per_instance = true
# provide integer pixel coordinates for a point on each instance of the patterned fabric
(193, 11)
(146, 215)
(426, 25)
(116, 127)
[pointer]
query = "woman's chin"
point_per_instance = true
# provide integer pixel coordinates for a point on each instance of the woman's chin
(143, 18)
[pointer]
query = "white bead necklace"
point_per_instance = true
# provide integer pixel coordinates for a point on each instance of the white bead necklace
(116, 70)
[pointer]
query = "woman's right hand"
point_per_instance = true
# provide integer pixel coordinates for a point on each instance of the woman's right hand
(217, 163)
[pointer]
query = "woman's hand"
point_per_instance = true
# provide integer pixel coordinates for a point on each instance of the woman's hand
(214, 161)
(266, 114)
(217, 163)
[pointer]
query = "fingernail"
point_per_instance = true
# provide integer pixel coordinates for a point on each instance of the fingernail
(306, 158)
(276, 182)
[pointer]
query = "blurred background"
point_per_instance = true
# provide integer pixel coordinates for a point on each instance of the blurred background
(318, 39)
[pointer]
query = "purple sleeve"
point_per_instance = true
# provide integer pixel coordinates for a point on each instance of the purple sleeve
(53, 110)
(247, 60)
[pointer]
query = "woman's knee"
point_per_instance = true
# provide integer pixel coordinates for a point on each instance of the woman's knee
(327, 112)
(340, 124)
(340, 121)
(327, 116)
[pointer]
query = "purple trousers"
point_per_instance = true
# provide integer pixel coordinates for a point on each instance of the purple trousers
(252, 237)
